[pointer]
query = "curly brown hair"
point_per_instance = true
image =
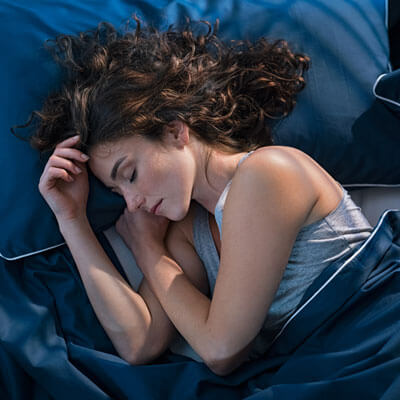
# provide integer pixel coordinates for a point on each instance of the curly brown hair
(117, 85)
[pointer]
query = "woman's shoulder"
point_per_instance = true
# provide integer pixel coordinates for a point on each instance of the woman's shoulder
(283, 156)
(285, 169)
(277, 164)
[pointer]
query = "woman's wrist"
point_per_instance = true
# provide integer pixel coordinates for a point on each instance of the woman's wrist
(147, 253)
(68, 224)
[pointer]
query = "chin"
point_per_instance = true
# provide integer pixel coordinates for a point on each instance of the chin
(178, 214)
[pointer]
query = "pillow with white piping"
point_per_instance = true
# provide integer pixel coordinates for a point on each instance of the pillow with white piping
(347, 42)
(387, 90)
(378, 131)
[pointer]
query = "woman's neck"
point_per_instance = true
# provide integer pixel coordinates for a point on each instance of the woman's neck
(219, 168)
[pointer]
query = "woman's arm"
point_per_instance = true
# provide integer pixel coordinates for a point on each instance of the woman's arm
(135, 322)
(181, 250)
(269, 200)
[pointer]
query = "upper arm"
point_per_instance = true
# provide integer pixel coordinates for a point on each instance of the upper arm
(269, 200)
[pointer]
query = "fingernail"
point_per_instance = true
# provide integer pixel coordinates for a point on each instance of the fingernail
(84, 157)
(78, 170)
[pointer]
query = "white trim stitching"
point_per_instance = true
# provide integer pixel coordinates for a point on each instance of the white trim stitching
(30, 254)
(331, 278)
(396, 103)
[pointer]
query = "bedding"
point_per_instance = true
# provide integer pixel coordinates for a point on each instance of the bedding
(342, 342)
(344, 339)
(378, 127)
(372, 201)
(347, 42)
(393, 22)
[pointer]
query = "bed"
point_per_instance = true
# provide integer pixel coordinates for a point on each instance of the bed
(343, 341)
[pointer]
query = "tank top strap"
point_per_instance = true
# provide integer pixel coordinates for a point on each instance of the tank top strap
(219, 208)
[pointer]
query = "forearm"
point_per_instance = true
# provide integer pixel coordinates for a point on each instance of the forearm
(186, 306)
(122, 312)
(189, 310)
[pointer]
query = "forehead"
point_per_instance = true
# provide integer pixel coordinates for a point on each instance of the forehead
(104, 156)
(106, 150)
(123, 146)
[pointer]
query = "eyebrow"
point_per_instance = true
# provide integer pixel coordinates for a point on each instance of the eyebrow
(115, 168)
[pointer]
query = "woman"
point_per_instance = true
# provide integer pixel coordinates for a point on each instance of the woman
(180, 126)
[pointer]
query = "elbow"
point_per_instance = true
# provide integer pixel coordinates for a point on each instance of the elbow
(133, 358)
(142, 356)
(143, 352)
(223, 363)
(147, 348)
(220, 368)
(225, 357)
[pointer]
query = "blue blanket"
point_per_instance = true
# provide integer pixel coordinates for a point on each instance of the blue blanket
(344, 341)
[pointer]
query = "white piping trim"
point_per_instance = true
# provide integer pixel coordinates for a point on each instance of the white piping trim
(371, 185)
(330, 279)
(396, 103)
(30, 254)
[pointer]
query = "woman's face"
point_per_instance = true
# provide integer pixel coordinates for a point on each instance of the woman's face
(156, 177)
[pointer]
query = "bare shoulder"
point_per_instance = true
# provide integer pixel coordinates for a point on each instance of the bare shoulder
(289, 170)
(286, 158)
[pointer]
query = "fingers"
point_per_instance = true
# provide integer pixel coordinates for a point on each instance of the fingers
(72, 154)
(56, 161)
(67, 145)
(49, 178)
(58, 173)
(65, 162)
(66, 157)
(71, 141)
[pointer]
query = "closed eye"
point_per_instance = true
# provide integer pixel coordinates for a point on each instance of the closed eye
(116, 192)
(133, 176)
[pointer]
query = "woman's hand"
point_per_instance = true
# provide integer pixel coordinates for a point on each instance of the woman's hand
(141, 230)
(64, 181)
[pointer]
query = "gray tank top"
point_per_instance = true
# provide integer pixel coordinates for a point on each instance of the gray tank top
(317, 245)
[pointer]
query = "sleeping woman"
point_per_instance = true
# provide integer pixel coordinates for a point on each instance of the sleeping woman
(228, 228)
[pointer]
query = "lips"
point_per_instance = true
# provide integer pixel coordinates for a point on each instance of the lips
(154, 209)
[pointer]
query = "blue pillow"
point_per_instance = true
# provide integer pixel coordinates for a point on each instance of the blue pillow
(348, 47)
(378, 128)
(347, 42)
(387, 90)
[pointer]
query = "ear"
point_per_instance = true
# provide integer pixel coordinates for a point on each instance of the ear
(176, 133)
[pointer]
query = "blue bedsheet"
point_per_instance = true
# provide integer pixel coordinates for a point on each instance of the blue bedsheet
(343, 343)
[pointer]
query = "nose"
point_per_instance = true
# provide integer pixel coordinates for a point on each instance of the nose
(133, 203)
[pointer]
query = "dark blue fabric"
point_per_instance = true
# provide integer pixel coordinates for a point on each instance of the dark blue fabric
(388, 90)
(344, 344)
(394, 32)
(347, 42)
(379, 128)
